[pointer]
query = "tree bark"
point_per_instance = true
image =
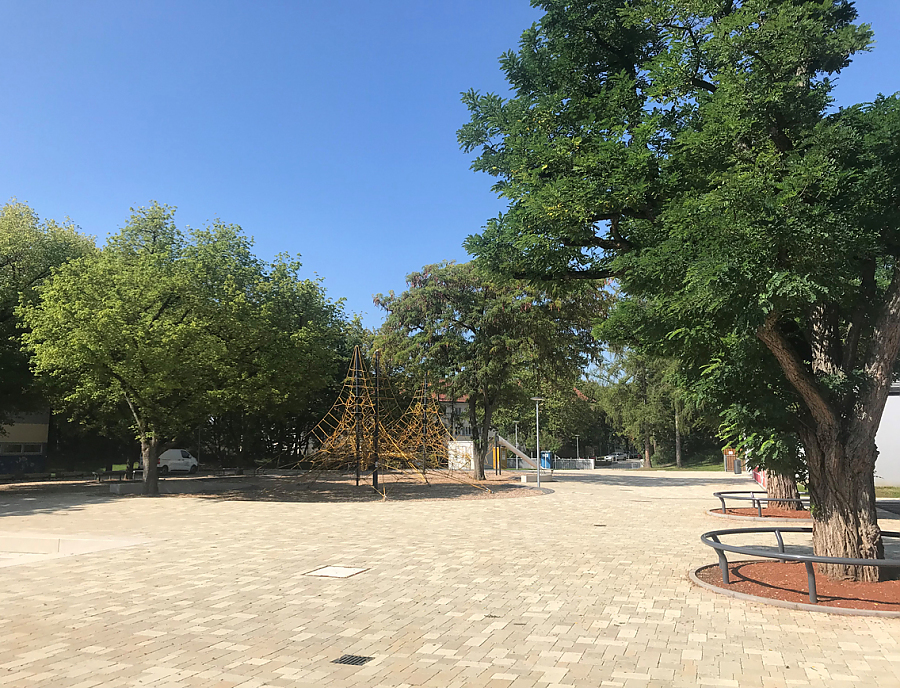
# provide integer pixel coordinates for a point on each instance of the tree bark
(842, 492)
(479, 438)
(647, 463)
(840, 448)
(149, 456)
(677, 436)
(783, 486)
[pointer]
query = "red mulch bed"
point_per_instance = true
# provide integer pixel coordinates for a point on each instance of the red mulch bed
(768, 512)
(779, 581)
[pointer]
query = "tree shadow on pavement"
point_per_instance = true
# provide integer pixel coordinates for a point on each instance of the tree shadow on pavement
(26, 499)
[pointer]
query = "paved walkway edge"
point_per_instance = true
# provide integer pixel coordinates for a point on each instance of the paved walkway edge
(784, 603)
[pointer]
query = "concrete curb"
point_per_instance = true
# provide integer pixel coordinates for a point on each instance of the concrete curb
(801, 606)
(764, 519)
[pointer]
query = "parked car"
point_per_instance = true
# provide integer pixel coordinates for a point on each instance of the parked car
(177, 460)
(616, 456)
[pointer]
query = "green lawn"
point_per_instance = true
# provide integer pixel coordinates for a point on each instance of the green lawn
(888, 492)
(702, 462)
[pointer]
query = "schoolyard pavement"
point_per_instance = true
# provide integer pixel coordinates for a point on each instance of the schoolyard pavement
(587, 586)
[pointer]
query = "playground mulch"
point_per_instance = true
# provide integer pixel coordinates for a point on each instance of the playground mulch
(328, 486)
(787, 581)
(768, 512)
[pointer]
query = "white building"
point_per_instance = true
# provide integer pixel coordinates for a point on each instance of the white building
(887, 466)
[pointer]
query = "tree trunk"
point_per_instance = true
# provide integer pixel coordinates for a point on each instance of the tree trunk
(838, 435)
(842, 492)
(677, 437)
(149, 456)
(647, 463)
(479, 439)
(783, 486)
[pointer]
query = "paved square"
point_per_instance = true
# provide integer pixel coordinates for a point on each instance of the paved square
(525, 593)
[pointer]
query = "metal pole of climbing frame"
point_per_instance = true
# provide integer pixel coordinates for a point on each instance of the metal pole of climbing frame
(357, 366)
(424, 422)
(377, 417)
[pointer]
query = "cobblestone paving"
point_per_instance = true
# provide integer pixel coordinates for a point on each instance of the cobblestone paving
(586, 586)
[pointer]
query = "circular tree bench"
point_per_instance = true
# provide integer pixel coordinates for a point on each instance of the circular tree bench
(711, 539)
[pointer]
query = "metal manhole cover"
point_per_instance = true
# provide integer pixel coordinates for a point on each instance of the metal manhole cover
(336, 572)
(355, 660)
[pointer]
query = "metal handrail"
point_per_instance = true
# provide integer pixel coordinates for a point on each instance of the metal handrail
(711, 539)
(756, 499)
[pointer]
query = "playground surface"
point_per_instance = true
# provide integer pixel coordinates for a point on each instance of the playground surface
(584, 586)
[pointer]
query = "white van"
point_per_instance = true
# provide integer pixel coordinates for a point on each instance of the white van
(177, 460)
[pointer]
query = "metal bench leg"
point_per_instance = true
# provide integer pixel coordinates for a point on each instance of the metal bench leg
(811, 582)
(780, 544)
(723, 563)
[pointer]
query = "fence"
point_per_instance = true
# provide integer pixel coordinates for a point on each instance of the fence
(556, 464)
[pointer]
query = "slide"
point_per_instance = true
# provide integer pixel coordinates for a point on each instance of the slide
(527, 459)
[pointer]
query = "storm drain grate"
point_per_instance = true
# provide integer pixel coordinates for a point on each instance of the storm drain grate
(355, 660)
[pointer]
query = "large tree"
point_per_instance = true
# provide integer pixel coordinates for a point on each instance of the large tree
(482, 337)
(30, 249)
(297, 372)
(685, 148)
(639, 399)
(179, 328)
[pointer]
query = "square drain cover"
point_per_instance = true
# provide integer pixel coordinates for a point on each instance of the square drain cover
(352, 659)
(336, 572)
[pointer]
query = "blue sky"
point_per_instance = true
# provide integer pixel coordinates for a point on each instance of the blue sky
(322, 128)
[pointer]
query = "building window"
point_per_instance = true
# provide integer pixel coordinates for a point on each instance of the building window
(9, 448)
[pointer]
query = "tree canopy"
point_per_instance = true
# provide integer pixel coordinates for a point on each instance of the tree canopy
(490, 340)
(30, 249)
(178, 327)
(686, 149)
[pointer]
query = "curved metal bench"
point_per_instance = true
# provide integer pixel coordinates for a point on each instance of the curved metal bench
(711, 539)
(757, 499)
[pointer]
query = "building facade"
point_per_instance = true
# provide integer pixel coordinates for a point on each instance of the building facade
(23, 443)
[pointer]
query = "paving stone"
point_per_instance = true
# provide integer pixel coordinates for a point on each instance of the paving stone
(518, 593)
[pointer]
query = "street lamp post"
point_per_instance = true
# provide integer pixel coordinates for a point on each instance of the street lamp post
(577, 451)
(537, 434)
(516, 423)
